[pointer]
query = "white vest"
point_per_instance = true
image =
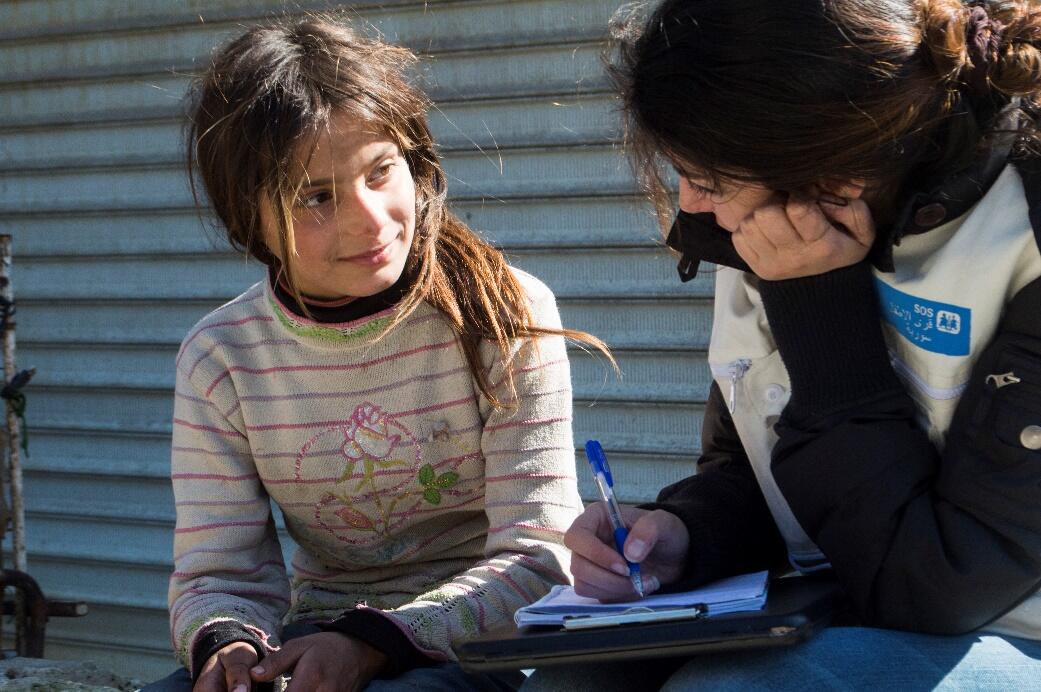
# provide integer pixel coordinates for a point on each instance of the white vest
(941, 307)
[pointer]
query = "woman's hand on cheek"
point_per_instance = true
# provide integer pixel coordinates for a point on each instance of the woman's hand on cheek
(323, 662)
(800, 237)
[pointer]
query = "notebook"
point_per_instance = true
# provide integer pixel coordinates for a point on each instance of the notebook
(796, 608)
(732, 595)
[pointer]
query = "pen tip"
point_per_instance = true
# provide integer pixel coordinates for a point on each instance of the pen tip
(638, 585)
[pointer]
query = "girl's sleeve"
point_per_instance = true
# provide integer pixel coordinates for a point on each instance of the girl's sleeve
(531, 498)
(229, 581)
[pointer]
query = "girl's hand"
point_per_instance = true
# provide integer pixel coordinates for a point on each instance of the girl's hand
(323, 662)
(227, 670)
(804, 237)
(658, 540)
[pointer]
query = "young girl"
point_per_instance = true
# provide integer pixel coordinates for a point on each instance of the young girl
(393, 386)
(868, 175)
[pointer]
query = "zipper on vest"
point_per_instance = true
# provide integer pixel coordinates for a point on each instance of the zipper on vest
(936, 393)
(1003, 380)
(735, 371)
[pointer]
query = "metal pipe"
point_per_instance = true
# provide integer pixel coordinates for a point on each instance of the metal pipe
(13, 428)
(35, 608)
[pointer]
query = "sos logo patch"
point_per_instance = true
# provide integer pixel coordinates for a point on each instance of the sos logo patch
(933, 326)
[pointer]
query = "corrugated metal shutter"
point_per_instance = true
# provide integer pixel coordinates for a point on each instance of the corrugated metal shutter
(112, 265)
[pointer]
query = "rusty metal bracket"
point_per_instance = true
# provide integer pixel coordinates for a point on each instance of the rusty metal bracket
(34, 611)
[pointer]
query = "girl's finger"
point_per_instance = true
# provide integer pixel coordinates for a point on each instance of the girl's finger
(307, 676)
(210, 676)
(236, 677)
(277, 662)
(210, 681)
(235, 660)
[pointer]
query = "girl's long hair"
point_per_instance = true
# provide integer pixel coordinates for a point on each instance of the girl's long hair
(787, 93)
(271, 91)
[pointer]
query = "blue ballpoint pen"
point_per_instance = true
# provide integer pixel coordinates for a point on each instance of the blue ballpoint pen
(604, 482)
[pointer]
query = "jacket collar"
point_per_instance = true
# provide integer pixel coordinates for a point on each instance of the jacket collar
(934, 203)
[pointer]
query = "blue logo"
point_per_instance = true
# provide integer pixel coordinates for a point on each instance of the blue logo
(935, 327)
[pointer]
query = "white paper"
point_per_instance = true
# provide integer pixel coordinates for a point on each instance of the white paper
(733, 594)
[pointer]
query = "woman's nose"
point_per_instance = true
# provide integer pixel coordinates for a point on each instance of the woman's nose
(694, 200)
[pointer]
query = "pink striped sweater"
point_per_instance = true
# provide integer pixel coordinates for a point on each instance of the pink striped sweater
(404, 489)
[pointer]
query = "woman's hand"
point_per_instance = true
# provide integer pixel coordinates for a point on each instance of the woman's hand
(805, 237)
(323, 662)
(657, 540)
(227, 670)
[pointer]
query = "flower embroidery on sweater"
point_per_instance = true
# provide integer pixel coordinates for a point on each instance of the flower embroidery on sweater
(369, 440)
(381, 478)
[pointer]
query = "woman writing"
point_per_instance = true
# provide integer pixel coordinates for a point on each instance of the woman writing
(866, 175)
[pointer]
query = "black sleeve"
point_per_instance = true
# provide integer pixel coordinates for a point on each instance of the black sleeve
(216, 638)
(365, 625)
(731, 529)
(380, 633)
(921, 540)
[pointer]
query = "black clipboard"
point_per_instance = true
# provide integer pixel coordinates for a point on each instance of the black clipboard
(797, 607)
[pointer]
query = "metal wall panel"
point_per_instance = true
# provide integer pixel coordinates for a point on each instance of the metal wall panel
(113, 263)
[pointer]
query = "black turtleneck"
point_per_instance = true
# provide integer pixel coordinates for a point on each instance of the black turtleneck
(350, 311)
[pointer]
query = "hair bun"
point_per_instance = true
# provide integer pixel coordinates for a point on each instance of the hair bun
(984, 47)
(943, 24)
(1018, 70)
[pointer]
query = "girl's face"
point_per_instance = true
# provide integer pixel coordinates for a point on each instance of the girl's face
(355, 216)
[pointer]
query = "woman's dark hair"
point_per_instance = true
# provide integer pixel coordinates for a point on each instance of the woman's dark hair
(786, 93)
(267, 97)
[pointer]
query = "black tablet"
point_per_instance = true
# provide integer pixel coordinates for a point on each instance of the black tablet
(795, 609)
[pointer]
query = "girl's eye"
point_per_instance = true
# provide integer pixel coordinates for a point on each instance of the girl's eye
(382, 171)
(315, 199)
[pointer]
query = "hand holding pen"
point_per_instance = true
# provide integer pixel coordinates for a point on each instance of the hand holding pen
(657, 540)
(605, 484)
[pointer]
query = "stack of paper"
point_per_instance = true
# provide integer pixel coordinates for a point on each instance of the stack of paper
(731, 595)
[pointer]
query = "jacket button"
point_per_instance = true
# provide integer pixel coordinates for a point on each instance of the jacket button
(1031, 437)
(930, 215)
(774, 393)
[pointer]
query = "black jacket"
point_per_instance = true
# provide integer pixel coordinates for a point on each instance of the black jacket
(922, 540)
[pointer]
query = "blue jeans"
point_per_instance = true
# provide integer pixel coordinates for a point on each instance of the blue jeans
(839, 658)
(444, 677)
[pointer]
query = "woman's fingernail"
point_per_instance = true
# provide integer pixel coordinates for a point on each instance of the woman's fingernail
(620, 569)
(257, 670)
(652, 585)
(239, 688)
(634, 552)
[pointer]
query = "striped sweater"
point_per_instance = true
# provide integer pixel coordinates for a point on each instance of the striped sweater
(406, 492)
